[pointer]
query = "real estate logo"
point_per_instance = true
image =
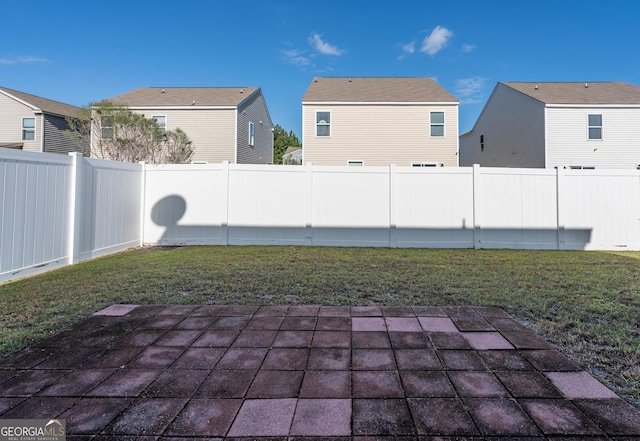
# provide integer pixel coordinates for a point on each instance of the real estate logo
(33, 430)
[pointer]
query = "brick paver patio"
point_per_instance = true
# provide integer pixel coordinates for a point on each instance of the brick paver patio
(301, 372)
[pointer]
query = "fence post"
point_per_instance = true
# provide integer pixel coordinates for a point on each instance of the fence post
(74, 206)
(143, 199)
(224, 227)
(309, 206)
(559, 222)
(477, 238)
(393, 234)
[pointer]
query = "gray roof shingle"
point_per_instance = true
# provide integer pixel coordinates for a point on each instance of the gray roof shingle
(184, 96)
(580, 93)
(377, 89)
(46, 105)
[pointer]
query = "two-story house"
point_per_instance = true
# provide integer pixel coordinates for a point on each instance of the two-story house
(540, 125)
(379, 121)
(33, 123)
(224, 123)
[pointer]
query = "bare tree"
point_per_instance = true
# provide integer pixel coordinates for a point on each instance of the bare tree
(116, 133)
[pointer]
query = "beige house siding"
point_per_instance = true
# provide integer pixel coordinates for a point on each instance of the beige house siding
(380, 134)
(568, 143)
(212, 131)
(513, 128)
(11, 114)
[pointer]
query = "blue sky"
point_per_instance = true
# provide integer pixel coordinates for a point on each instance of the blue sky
(83, 51)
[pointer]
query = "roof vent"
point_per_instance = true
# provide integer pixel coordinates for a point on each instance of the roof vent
(162, 90)
(536, 87)
(586, 85)
(350, 80)
(193, 103)
(241, 91)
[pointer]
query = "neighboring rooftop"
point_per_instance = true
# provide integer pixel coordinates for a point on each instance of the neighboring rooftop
(184, 96)
(580, 93)
(377, 89)
(43, 104)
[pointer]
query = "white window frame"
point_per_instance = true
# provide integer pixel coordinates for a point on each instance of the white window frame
(252, 134)
(355, 163)
(162, 127)
(28, 129)
(600, 127)
(436, 124)
(103, 126)
(319, 124)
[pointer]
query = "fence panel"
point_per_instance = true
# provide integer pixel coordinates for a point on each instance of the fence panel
(34, 212)
(433, 208)
(516, 208)
(600, 209)
(268, 205)
(350, 206)
(185, 204)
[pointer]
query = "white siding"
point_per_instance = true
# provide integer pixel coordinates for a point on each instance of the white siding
(212, 131)
(567, 142)
(11, 114)
(513, 129)
(380, 135)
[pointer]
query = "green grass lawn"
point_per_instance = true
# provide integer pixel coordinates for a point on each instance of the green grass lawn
(585, 303)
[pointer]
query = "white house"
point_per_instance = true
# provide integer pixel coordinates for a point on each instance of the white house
(379, 121)
(540, 125)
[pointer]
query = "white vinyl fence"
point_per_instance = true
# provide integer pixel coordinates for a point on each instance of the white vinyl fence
(57, 210)
(392, 206)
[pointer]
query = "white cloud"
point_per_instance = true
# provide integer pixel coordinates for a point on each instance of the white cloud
(323, 47)
(466, 48)
(296, 57)
(23, 59)
(470, 90)
(407, 49)
(436, 41)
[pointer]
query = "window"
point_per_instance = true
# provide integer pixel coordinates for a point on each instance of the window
(106, 126)
(161, 120)
(437, 123)
(252, 134)
(28, 129)
(323, 123)
(482, 143)
(355, 163)
(595, 126)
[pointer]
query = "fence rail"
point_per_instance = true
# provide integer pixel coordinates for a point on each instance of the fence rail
(57, 210)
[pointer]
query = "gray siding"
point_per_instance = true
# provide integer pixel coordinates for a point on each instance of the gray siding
(255, 110)
(54, 139)
(513, 126)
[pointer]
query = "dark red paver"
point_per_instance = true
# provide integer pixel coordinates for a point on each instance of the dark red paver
(309, 373)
